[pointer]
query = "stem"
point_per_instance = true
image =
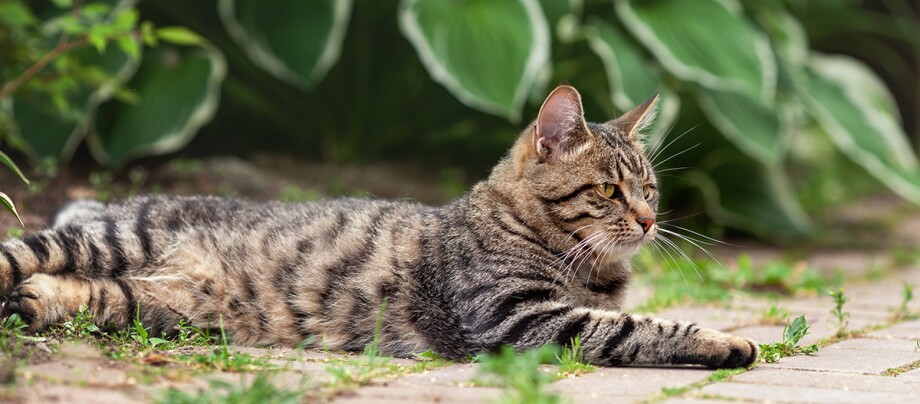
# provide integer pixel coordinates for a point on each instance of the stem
(58, 50)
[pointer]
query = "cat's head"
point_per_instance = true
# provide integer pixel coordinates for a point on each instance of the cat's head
(593, 182)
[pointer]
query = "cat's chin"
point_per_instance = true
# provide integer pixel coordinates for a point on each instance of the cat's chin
(623, 252)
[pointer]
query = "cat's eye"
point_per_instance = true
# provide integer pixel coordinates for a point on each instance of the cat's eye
(649, 191)
(607, 190)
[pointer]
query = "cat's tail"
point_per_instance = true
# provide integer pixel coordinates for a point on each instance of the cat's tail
(79, 211)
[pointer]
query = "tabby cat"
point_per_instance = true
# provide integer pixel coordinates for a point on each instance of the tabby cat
(537, 253)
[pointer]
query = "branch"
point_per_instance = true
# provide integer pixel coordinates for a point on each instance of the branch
(58, 50)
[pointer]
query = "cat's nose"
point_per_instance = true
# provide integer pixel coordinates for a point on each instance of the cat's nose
(646, 223)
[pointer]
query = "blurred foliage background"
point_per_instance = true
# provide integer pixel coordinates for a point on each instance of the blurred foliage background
(773, 110)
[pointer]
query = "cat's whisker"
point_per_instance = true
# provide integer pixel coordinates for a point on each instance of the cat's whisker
(677, 249)
(591, 249)
(694, 244)
(671, 169)
(654, 149)
(597, 256)
(662, 250)
(659, 152)
(702, 235)
(602, 257)
(684, 236)
(578, 250)
(675, 155)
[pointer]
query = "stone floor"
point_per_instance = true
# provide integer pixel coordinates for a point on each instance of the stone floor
(862, 368)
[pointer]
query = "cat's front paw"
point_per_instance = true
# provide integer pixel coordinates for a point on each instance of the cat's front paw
(31, 300)
(729, 351)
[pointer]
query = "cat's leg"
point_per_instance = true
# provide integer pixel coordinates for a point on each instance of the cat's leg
(104, 248)
(612, 338)
(44, 299)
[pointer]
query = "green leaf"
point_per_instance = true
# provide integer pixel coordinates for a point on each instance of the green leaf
(148, 34)
(758, 130)
(8, 204)
(97, 39)
(129, 45)
(7, 161)
(487, 53)
(744, 194)
(795, 331)
(296, 41)
(179, 36)
(48, 134)
(63, 3)
(126, 19)
(708, 42)
(632, 78)
(178, 91)
(156, 341)
(857, 111)
(16, 15)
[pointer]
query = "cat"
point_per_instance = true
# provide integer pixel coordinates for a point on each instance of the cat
(537, 253)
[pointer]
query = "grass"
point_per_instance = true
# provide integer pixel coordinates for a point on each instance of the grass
(679, 279)
(260, 391)
(902, 312)
(793, 332)
(572, 360)
(720, 375)
(520, 374)
(840, 299)
(774, 315)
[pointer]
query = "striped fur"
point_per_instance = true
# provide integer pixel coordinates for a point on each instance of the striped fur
(532, 255)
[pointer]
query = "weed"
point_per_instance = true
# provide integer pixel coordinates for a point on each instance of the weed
(720, 375)
(222, 359)
(792, 333)
(359, 373)
(102, 182)
(907, 295)
(520, 374)
(681, 279)
(904, 257)
(572, 359)
(11, 334)
(261, 390)
(839, 300)
(141, 335)
(81, 325)
(293, 193)
(774, 315)
(14, 232)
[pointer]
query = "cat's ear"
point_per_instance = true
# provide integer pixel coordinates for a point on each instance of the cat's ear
(561, 123)
(635, 121)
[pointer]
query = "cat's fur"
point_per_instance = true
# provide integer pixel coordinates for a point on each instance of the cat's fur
(532, 255)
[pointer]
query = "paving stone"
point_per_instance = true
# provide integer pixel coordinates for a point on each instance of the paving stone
(60, 393)
(415, 394)
(909, 330)
(857, 356)
(710, 317)
(790, 394)
(842, 381)
(693, 401)
(912, 375)
(626, 382)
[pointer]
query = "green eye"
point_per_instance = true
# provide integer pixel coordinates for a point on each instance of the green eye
(607, 190)
(650, 191)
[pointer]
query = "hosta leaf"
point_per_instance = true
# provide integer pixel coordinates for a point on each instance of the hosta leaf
(744, 194)
(708, 42)
(48, 133)
(9, 163)
(856, 110)
(759, 131)
(631, 77)
(487, 53)
(178, 92)
(296, 41)
(10, 207)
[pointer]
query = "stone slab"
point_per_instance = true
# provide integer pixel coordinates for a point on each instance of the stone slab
(790, 394)
(827, 380)
(626, 382)
(861, 355)
(909, 330)
(711, 317)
